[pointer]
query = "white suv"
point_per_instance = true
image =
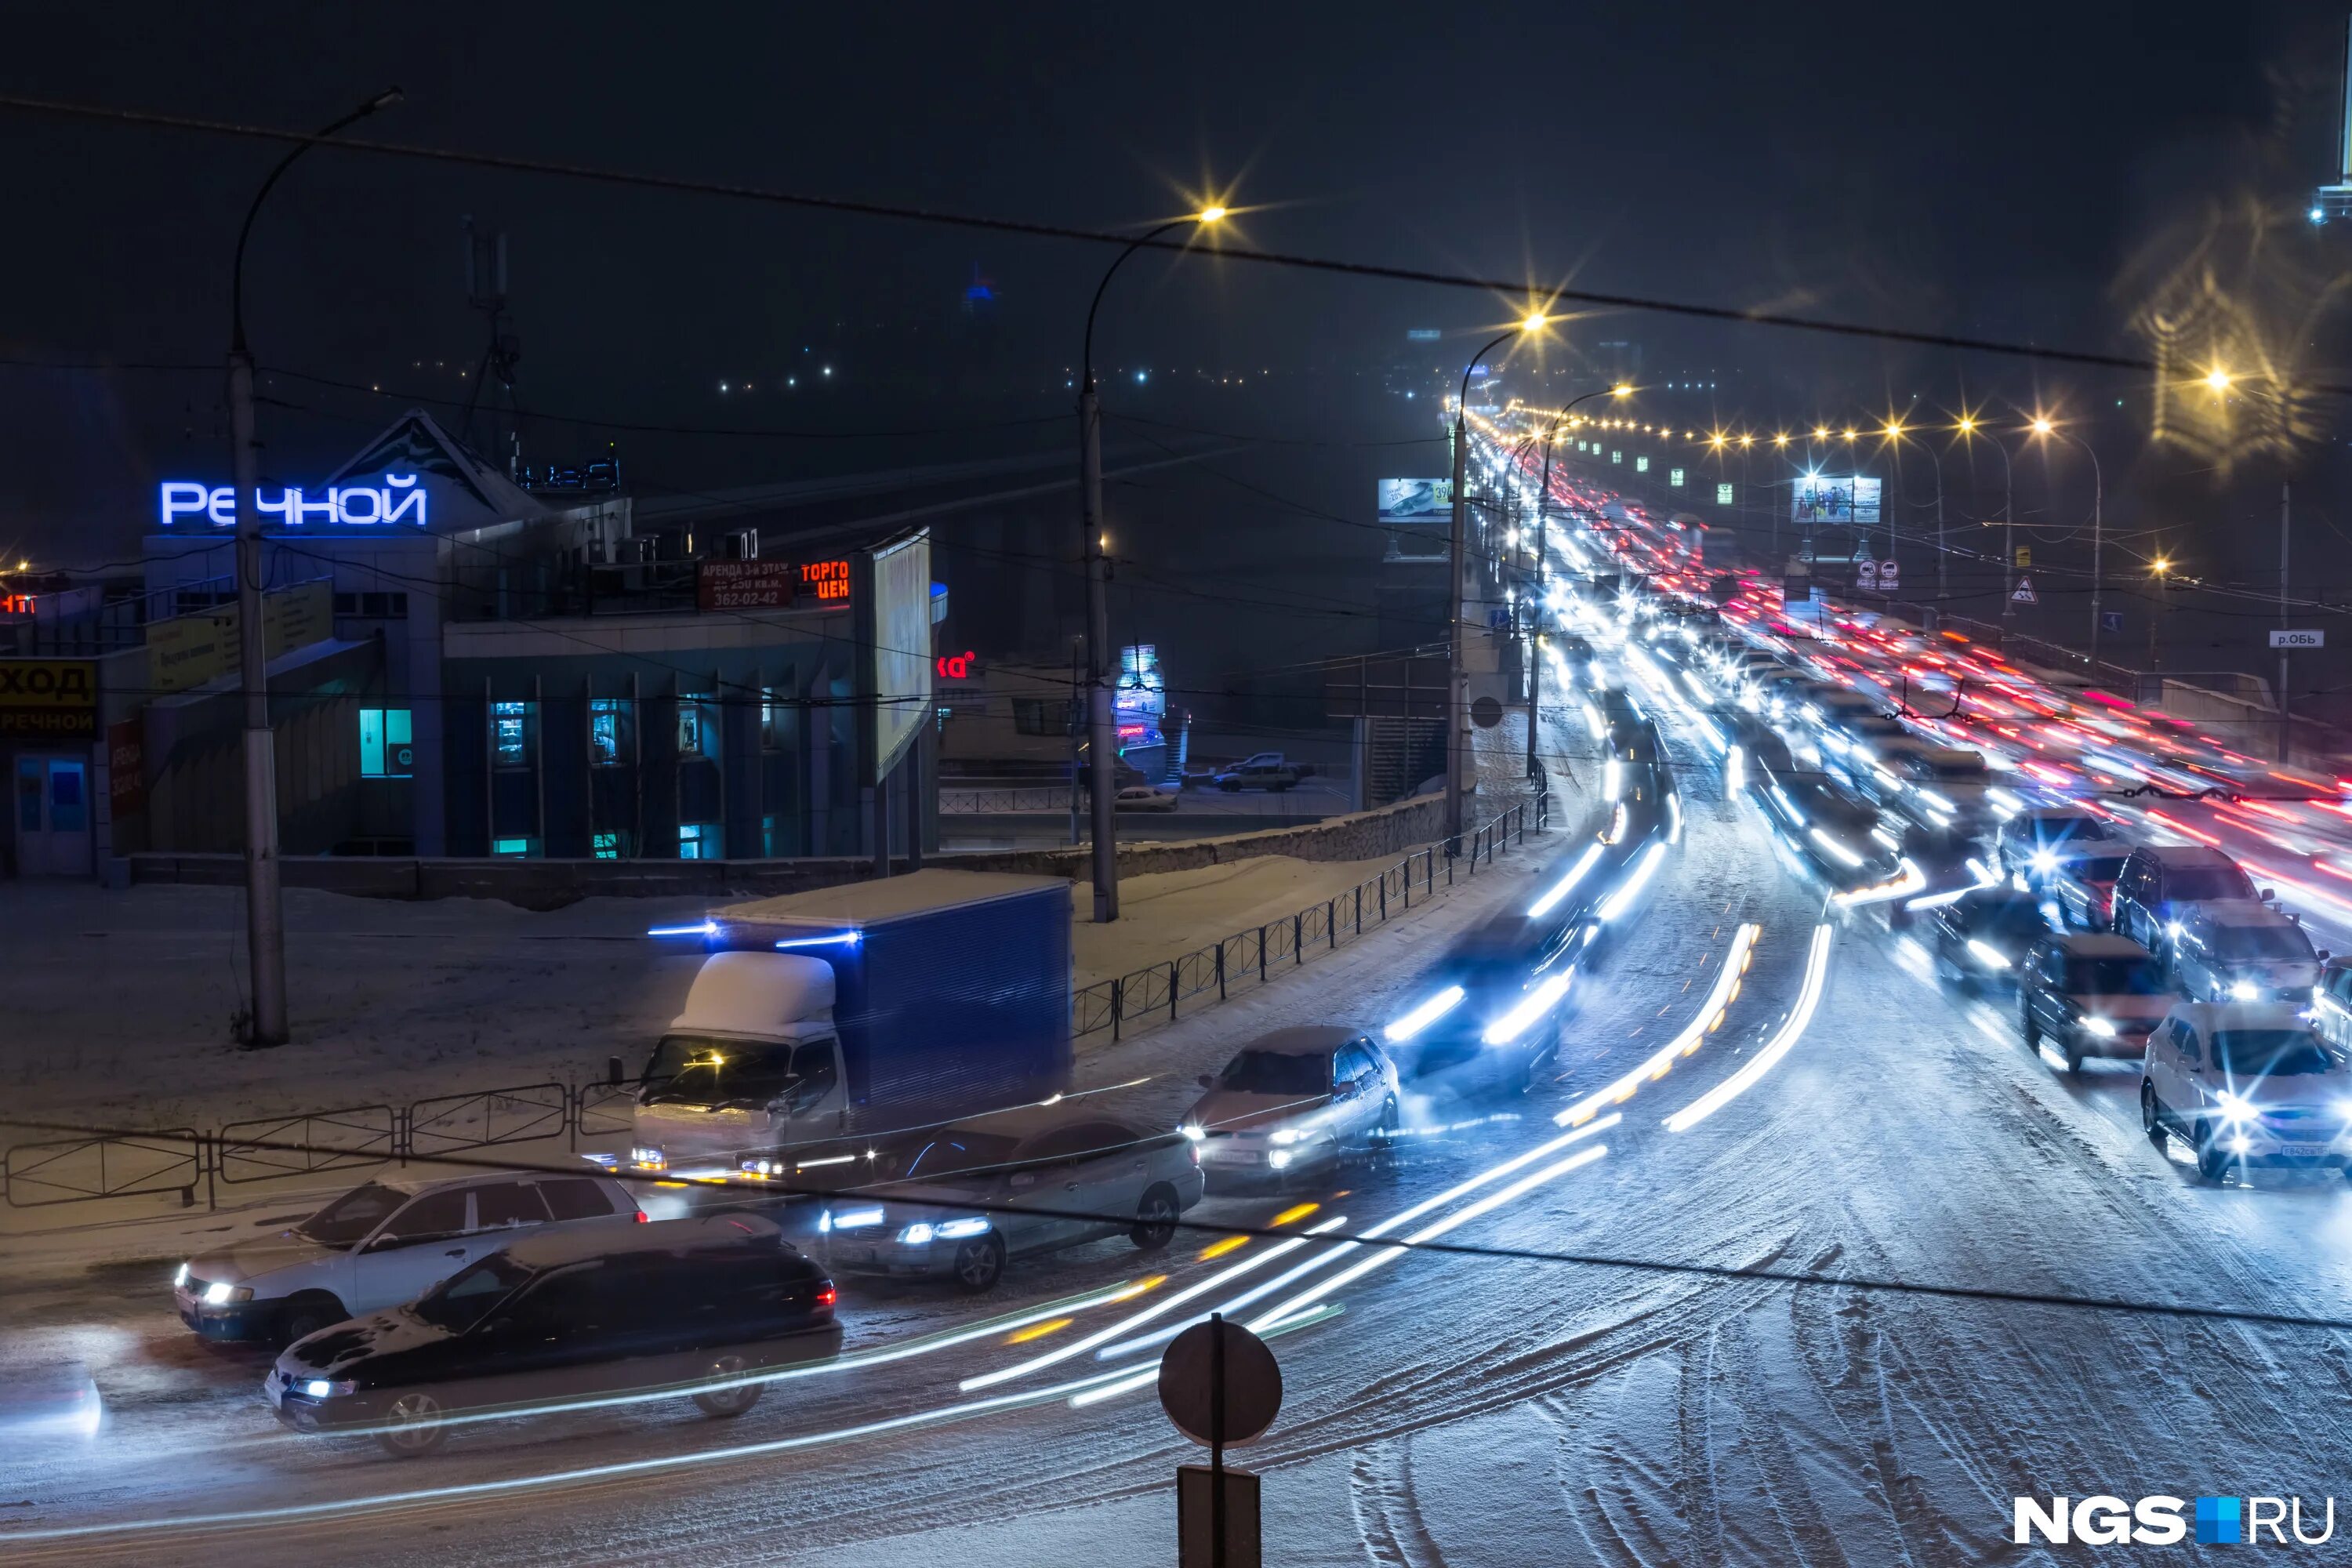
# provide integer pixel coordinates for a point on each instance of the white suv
(383, 1243)
(2246, 1084)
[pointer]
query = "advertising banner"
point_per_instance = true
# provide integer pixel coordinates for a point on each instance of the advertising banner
(1417, 500)
(1834, 498)
(188, 650)
(896, 665)
(48, 698)
(745, 584)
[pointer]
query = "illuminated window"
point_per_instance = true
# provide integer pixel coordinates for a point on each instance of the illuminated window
(696, 725)
(700, 841)
(513, 848)
(770, 827)
(612, 731)
(386, 750)
(616, 845)
(515, 732)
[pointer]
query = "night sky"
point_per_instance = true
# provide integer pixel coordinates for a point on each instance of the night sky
(2007, 174)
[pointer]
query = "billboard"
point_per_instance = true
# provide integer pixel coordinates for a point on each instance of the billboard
(893, 622)
(1140, 703)
(1417, 500)
(1833, 498)
(189, 650)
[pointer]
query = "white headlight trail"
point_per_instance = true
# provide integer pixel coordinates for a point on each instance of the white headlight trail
(1718, 997)
(1817, 967)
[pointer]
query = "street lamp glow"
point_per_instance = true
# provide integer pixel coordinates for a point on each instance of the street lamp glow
(2042, 427)
(2218, 378)
(1620, 391)
(2161, 565)
(1209, 214)
(1820, 432)
(1748, 440)
(1848, 434)
(1781, 439)
(1892, 428)
(1533, 324)
(1967, 426)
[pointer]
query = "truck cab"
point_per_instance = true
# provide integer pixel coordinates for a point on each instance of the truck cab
(753, 1063)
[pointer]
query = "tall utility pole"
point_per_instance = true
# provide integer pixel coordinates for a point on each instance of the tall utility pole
(2284, 490)
(265, 915)
(1102, 725)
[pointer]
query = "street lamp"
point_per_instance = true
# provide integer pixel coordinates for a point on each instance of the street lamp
(1102, 728)
(1968, 427)
(2048, 430)
(2162, 567)
(1457, 676)
(265, 916)
(1894, 432)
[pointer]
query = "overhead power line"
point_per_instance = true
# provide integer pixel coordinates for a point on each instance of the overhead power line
(689, 186)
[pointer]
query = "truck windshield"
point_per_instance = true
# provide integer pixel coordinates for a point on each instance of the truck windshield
(347, 1221)
(460, 1302)
(2268, 1053)
(702, 1069)
(2254, 943)
(1276, 1072)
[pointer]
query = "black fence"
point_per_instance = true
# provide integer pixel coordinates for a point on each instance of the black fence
(1157, 995)
(304, 1143)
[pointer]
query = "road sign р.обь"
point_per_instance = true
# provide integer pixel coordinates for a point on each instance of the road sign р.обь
(2304, 638)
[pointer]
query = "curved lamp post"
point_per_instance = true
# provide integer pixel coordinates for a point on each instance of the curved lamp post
(264, 916)
(1102, 728)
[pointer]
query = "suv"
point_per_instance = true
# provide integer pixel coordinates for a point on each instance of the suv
(1293, 1101)
(2161, 884)
(1274, 776)
(697, 1307)
(2244, 1085)
(2242, 950)
(385, 1241)
(2033, 843)
(2090, 995)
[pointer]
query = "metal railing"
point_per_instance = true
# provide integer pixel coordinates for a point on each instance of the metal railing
(450, 1122)
(306, 1142)
(1249, 958)
(75, 1170)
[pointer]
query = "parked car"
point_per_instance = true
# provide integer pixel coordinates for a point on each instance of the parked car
(2084, 885)
(1143, 798)
(705, 1303)
(1293, 1101)
(937, 1218)
(1980, 938)
(2246, 1084)
(2091, 995)
(386, 1241)
(1274, 776)
(2034, 843)
(2242, 951)
(2161, 884)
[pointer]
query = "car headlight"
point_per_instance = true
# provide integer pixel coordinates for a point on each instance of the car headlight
(180, 1275)
(220, 1293)
(2172, 928)
(1286, 1135)
(1278, 1159)
(1989, 955)
(957, 1230)
(2044, 862)
(917, 1235)
(2099, 1027)
(2243, 990)
(2234, 1109)
(1193, 1132)
(321, 1388)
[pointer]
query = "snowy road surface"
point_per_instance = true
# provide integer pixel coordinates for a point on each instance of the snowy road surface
(1455, 1409)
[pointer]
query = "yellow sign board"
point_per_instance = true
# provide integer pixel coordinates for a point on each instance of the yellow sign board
(188, 650)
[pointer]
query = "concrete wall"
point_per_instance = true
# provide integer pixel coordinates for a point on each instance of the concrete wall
(543, 884)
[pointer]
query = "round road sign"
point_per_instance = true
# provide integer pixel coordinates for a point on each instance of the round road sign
(1253, 1383)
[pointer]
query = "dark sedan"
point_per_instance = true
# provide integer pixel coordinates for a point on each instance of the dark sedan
(696, 1307)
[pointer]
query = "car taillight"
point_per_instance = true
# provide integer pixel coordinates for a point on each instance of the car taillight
(643, 1217)
(826, 1296)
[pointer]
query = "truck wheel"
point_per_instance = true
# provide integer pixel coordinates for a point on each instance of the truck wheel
(308, 1313)
(411, 1427)
(980, 1263)
(1155, 1221)
(733, 1401)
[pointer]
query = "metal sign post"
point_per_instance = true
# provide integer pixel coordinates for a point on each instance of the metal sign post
(1220, 1386)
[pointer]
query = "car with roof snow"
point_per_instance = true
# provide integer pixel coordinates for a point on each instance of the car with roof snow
(697, 1308)
(386, 1241)
(2246, 1084)
(2160, 885)
(2091, 993)
(1293, 1101)
(961, 1200)
(2240, 950)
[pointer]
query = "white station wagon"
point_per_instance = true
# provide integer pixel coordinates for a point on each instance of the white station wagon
(384, 1242)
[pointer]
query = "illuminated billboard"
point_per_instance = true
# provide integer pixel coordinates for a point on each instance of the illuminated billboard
(1139, 704)
(1416, 500)
(1833, 498)
(893, 620)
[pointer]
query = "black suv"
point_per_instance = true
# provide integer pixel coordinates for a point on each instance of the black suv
(2160, 882)
(697, 1307)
